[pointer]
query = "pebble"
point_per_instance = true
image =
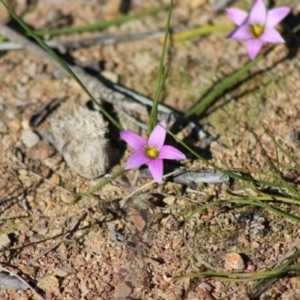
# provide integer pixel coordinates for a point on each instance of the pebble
(14, 126)
(137, 219)
(177, 242)
(204, 286)
(122, 291)
(11, 282)
(23, 172)
(4, 241)
(36, 238)
(49, 284)
(67, 198)
(55, 179)
(84, 290)
(29, 138)
(3, 127)
(110, 75)
(64, 271)
(170, 200)
(41, 151)
(234, 261)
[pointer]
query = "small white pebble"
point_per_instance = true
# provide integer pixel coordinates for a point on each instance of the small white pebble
(234, 261)
(29, 138)
(205, 286)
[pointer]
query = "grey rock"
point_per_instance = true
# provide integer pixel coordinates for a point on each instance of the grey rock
(29, 138)
(79, 135)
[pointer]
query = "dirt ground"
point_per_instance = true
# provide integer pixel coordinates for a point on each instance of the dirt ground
(94, 249)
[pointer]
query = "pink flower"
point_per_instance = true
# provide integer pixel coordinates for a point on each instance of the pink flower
(257, 26)
(150, 152)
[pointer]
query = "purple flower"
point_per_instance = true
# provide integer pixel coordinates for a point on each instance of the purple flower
(257, 26)
(151, 151)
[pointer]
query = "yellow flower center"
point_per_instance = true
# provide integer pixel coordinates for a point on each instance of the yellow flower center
(151, 152)
(257, 30)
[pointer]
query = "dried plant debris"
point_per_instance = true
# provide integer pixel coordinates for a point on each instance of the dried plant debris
(79, 135)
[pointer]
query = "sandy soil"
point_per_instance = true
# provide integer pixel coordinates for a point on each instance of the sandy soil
(96, 250)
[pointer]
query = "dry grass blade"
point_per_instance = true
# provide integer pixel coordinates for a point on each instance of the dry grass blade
(263, 285)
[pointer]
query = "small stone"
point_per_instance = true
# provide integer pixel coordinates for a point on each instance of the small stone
(167, 278)
(25, 124)
(49, 284)
(177, 242)
(4, 241)
(234, 261)
(30, 198)
(41, 151)
(14, 126)
(23, 172)
(30, 271)
(53, 162)
(67, 198)
(255, 245)
(84, 290)
(204, 286)
(122, 291)
(137, 219)
(170, 200)
(29, 138)
(55, 179)
(36, 238)
(3, 127)
(11, 282)
(24, 79)
(64, 271)
(295, 281)
(110, 75)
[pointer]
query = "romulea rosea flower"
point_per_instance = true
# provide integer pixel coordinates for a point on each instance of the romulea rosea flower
(257, 26)
(151, 152)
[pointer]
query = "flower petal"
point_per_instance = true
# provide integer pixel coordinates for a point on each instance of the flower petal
(169, 152)
(275, 15)
(133, 140)
(236, 15)
(158, 135)
(241, 33)
(258, 13)
(253, 47)
(136, 160)
(271, 35)
(156, 168)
